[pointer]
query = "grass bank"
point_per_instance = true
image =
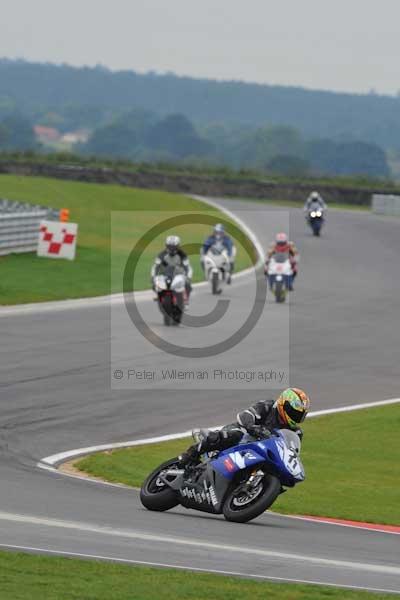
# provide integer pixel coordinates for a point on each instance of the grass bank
(350, 460)
(26, 278)
(30, 577)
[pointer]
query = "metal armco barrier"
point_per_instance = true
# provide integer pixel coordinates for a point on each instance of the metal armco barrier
(386, 204)
(19, 225)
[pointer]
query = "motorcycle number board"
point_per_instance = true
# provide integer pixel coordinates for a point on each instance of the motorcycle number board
(57, 240)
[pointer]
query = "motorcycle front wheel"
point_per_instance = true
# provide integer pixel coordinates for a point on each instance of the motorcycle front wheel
(166, 309)
(241, 506)
(316, 230)
(215, 283)
(178, 309)
(155, 494)
(279, 292)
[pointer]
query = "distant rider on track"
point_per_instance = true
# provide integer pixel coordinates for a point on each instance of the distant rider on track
(219, 235)
(314, 202)
(283, 245)
(173, 256)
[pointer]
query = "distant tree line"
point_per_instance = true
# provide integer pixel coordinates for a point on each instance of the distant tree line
(141, 136)
(70, 98)
(228, 123)
(16, 133)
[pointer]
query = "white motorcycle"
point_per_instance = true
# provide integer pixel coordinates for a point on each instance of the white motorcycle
(280, 275)
(217, 266)
(170, 290)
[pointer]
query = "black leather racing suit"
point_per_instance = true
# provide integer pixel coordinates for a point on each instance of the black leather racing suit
(261, 415)
(166, 259)
(179, 259)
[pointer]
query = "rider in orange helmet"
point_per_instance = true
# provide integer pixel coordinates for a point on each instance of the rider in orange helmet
(287, 412)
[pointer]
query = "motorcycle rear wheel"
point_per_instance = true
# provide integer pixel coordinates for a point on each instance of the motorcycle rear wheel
(253, 508)
(156, 496)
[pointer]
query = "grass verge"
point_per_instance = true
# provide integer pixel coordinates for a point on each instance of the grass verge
(350, 460)
(27, 278)
(31, 577)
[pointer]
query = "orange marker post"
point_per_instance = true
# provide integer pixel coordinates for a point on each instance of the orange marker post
(64, 215)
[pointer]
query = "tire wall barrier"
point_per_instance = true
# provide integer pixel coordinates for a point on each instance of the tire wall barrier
(19, 226)
(386, 204)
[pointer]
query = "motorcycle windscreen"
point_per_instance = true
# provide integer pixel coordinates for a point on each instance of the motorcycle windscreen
(281, 257)
(290, 467)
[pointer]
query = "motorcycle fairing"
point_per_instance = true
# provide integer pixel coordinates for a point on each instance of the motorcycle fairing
(206, 491)
(273, 452)
(235, 459)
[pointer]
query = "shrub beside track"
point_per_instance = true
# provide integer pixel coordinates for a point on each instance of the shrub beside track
(185, 178)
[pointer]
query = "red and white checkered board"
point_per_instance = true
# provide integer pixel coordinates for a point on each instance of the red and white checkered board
(57, 240)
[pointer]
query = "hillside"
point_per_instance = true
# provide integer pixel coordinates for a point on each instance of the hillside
(37, 89)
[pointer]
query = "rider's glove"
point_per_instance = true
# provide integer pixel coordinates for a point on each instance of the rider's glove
(259, 431)
(191, 456)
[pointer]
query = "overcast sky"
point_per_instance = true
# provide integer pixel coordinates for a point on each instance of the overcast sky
(350, 45)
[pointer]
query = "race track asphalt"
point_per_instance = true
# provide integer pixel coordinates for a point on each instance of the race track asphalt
(342, 324)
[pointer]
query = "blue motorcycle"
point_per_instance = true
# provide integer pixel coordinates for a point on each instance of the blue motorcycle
(240, 482)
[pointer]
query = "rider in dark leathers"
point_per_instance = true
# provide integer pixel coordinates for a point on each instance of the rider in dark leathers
(173, 256)
(288, 411)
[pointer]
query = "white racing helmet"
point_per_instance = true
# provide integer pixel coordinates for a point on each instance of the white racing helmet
(172, 243)
(219, 230)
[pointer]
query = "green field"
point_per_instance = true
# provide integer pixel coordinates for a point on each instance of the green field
(30, 577)
(26, 278)
(351, 462)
